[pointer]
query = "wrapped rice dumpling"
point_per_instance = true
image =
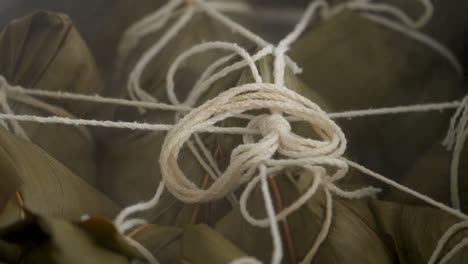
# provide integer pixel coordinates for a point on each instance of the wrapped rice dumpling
(196, 244)
(355, 63)
(108, 30)
(33, 179)
(129, 169)
(434, 169)
(45, 51)
(361, 231)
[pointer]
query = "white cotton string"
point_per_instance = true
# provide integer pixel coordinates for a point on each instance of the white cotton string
(454, 251)
(129, 224)
(120, 124)
(212, 68)
(238, 100)
(232, 7)
(17, 129)
(418, 108)
(8, 92)
(445, 238)
(211, 167)
(173, 98)
(455, 141)
(149, 24)
(135, 91)
(181, 108)
(247, 158)
(99, 99)
(30, 101)
(121, 220)
(277, 254)
(284, 45)
(203, 48)
(239, 29)
(323, 231)
(400, 187)
(197, 91)
(149, 257)
(158, 19)
(319, 179)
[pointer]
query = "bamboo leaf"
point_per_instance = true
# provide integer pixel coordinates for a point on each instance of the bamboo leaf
(47, 186)
(45, 51)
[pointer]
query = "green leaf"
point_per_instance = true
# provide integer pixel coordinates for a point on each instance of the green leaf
(201, 244)
(416, 230)
(45, 51)
(47, 186)
(165, 242)
(348, 236)
(354, 63)
(56, 241)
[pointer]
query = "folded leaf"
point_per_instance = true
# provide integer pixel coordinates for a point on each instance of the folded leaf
(348, 236)
(56, 241)
(201, 244)
(415, 231)
(357, 64)
(164, 242)
(45, 51)
(47, 186)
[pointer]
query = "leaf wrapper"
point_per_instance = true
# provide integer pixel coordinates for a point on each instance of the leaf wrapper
(56, 241)
(356, 64)
(45, 51)
(47, 186)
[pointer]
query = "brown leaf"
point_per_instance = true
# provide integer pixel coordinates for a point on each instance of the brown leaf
(55, 241)
(48, 187)
(45, 51)
(201, 244)
(356, 64)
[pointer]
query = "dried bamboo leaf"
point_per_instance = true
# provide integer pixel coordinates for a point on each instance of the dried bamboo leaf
(165, 242)
(47, 186)
(45, 51)
(430, 175)
(201, 244)
(415, 231)
(356, 64)
(56, 241)
(131, 158)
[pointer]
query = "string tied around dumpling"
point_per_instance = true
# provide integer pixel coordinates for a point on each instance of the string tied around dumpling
(246, 158)
(17, 129)
(277, 148)
(17, 94)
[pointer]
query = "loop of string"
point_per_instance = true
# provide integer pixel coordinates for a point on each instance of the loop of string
(271, 142)
(159, 20)
(245, 158)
